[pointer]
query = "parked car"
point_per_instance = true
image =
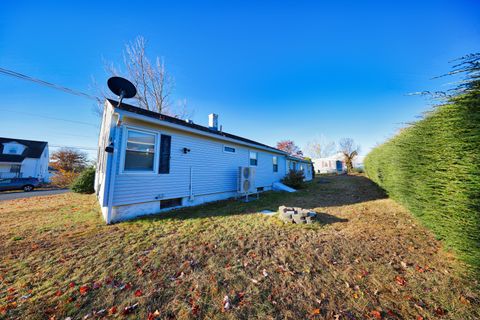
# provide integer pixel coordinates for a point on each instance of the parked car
(25, 184)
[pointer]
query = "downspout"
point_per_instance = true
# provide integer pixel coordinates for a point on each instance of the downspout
(191, 197)
(113, 169)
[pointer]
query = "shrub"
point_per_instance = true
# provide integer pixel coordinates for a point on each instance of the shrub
(433, 168)
(294, 179)
(84, 183)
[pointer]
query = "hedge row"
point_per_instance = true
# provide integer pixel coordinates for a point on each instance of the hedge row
(433, 168)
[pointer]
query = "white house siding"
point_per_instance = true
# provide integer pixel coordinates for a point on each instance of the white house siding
(36, 167)
(213, 170)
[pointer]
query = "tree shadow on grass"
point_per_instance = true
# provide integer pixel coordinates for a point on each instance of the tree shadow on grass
(332, 191)
(325, 218)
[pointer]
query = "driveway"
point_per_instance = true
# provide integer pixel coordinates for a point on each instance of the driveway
(35, 193)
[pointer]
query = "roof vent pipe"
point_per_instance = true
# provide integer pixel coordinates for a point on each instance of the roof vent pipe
(213, 121)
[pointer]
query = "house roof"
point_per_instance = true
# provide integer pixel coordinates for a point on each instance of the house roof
(34, 149)
(290, 157)
(163, 117)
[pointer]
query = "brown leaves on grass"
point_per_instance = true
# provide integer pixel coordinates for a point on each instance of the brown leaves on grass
(84, 289)
(112, 310)
(153, 315)
(376, 314)
(400, 281)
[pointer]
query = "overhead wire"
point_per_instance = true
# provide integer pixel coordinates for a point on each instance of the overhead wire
(47, 84)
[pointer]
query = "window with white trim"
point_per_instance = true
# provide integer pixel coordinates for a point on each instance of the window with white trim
(140, 151)
(253, 158)
(275, 163)
(229, 149)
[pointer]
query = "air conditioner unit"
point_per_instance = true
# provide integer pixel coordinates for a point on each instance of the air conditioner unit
(246, 180)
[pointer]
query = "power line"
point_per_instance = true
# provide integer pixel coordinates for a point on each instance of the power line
(74, 147)
(48, 117)
(48, 84)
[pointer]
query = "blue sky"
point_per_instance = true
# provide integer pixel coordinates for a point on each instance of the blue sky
(272, 70)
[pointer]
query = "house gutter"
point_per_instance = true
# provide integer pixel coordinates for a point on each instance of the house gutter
(113, 168)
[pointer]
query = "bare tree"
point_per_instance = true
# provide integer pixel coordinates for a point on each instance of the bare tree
(320, 147)
(154, 84)
(349, 150)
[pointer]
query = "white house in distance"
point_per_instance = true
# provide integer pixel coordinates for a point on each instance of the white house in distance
(24, 159)
(335, 163)
(149, 162)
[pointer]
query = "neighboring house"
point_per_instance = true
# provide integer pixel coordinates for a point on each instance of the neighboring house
(149, 162)
(24, 159)
(335, 163)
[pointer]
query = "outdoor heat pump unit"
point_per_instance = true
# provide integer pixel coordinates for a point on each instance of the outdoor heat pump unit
(246, 181)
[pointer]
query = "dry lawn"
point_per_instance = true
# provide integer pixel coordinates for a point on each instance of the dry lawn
(367, 259)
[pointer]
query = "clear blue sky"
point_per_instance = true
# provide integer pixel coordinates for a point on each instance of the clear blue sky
(271, 70)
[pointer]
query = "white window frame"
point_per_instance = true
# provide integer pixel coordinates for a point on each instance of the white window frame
(249, 163)
(229, 152)
(273, 164)
(124, 150)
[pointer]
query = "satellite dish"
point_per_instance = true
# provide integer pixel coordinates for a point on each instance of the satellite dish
(122, 88)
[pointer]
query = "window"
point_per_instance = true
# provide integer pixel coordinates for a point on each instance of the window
(15, 168)
(253, 158)
(170, 203)
(165, 148)
(275, 164)
(140, 151)
(229, 149)
(260, 189)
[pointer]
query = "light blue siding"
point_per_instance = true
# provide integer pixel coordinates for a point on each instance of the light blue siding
(213, 170)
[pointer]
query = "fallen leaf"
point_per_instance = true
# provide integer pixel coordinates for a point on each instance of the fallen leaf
(440, 312)
(400, 280)
(419, 318)
(138, 293)
(316, 311)
(376, 314)
(195, 309)
(71, 284)
(419, 269)
(58, 293)
(464, 300)
(112, 310)
(84, 290)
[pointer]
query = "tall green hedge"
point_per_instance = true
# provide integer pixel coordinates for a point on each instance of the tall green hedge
(433, 168)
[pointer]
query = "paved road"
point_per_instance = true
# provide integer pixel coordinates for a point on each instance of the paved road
(37, 193)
